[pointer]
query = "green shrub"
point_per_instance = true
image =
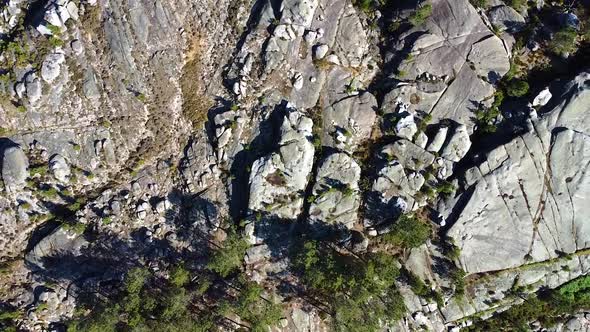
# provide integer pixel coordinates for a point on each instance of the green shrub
(179, 276)
(517, 88)
(364, 5)
(445, 188)
(421, 288)
(41, 170)
(479, 3)
(421, 14)
(229, 258)
(55, 41)
(141, 97)
(564, 41)
(260, 313)
(55, 30)
(517, 4)
(76, 227)
(49, 193)
(408, 232)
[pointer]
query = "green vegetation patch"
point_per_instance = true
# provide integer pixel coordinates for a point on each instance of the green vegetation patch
(548, 307)
(358, 292)
(408, 232)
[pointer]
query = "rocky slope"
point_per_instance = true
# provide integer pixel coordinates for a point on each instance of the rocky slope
(139, 133)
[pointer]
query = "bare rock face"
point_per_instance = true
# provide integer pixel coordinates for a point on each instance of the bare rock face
(453, 61)
(278, 180)
(521, 192)
(506, 18)
(335, 195)
(348, 122)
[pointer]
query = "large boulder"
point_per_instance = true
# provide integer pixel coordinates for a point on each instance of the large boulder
(59, 244)
(505, 18)
(14, 167)
(278, 180)
(348, 122)
(336, 193)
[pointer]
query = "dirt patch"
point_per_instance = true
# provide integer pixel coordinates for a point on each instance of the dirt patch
(196, 103)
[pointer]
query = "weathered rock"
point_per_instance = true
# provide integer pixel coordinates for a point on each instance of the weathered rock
(489, 58)
(457, 145)
(77, 46)
(60, 168)
(408, 154)
(348, 122)
(505, 18)
(453, 45)
(515, 213)
(320, 51)
(51, 66)
(33, 88)
(393, 183)
(257, 253)
(438, 140)
(421, 140)
(14, 167)
(278, 180)
(59, 243)
(542, 98)
(335, 193)
(405, 126)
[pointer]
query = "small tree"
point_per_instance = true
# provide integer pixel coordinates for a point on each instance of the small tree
(564, 41)
(517, 88)
(228, 258)
(420, 15)
(408, 232)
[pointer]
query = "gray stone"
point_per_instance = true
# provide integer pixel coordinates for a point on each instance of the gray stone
(421, 140)
(278, 180)
(51, 66)
(257, 253)
(60, 242)
(408, 154)
(542, 98)
(438, 140)
(34, 89)
(489, 58)
(336, 193)
(515, 212)
(77, 47)
(457, 145)
(320, 51)
(505, 18)
(348, 122)
(14, 167)
(60, 168)
(405, 126)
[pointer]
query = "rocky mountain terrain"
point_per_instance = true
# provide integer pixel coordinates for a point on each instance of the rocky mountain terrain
(294, 165)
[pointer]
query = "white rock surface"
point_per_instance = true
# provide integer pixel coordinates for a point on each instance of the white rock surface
(517, 211)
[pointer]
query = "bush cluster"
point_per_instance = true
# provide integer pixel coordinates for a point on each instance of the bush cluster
(359, 292)
(408, 232)
(548, 307)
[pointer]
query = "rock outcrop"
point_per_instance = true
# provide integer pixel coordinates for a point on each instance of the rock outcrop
(335, 195)
(277, 181)
(525, 203)
(14, 167)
